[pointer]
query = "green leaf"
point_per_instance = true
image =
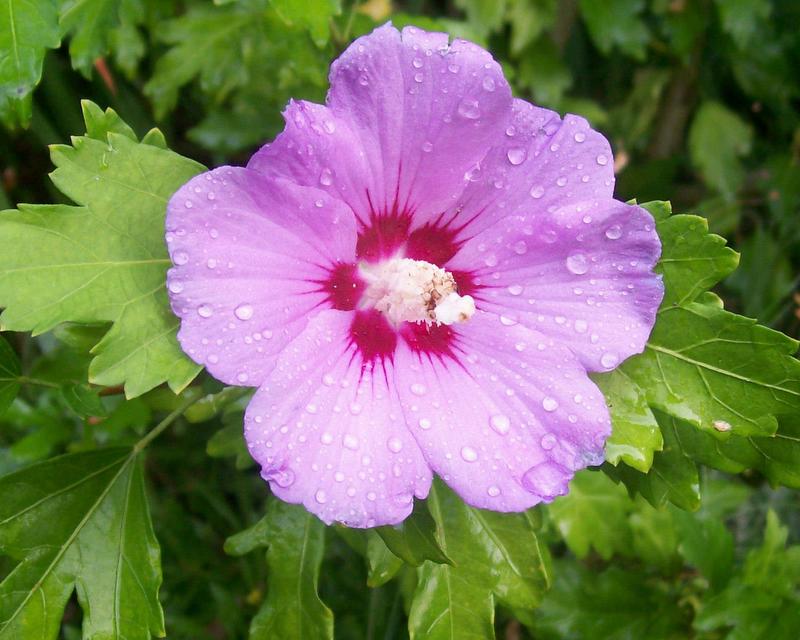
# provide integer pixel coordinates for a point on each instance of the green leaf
(635, 433)
(209, 42)
(741, 18)
(229, 442)
(616, 23)
(528, 20)
(382, 564)
(484, 15)
(315, 15)
(414, 539)
(98, 539)
(594, 514)
(104, 260)
(10, 372)
(612, 604)
(27, 29)
(717, 139)
(673, 476)
(693, 260)
(296, 542)
(494, 554)
(89, 23)
(83, 400)
(719, 371)
(762, 602)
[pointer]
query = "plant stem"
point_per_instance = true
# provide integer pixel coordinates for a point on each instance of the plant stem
(162, 426)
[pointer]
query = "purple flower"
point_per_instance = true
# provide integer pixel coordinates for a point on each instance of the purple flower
(417, 277)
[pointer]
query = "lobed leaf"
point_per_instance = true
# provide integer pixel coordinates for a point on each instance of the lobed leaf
(98, 540)
(295, 541)
(104, 260)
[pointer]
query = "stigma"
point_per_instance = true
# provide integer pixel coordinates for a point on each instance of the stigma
(407, 290)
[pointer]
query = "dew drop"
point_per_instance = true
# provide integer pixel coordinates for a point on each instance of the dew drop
(427, 147)
(205, 311)
(321, 497)
(609, 360)
(548, 441)
(318, 204)
(350, 442)
(242, 377)
(326, 438)
(469, 454)
(419, 77)
(614, 232)
(577, 264)
(520, 248)
(537, 191)
(561, 181)
(417, 62)
(580, 136)
(581, 326)
(469, 109)
(602, 160)
(362, 80)
(283, 478)
(493, 491)
(549, 404)
(488, 83)
(395, 445)
(418, 389)
(180, 258)
(175, 287)
(515, 289)
(188, 204)
(500, 423)
(516, 155)
(507, 321)
(326, 177)
(243, 312)
(424, 423)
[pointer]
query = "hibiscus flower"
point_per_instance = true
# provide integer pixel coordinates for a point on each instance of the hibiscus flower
(418, 277)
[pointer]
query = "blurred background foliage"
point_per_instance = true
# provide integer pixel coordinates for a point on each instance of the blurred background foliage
(700, 101)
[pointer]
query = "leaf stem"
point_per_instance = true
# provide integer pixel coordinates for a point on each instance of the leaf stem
(166, 422)
(37, 381)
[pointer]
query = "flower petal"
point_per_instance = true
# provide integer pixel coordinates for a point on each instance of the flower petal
(582, 275)
(408, 114)
(331, 436)
(508, 422)
(249, 252)
(540, 163)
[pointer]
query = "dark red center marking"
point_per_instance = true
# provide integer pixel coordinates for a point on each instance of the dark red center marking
(386, 236)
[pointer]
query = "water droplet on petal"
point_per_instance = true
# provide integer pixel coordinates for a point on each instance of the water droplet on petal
(284, 478)
(516, 155)
(581, 326)
(326, 438)
(515, 289)
(561, 181)
(549, 404)
(469, 109)
(537, 191)
(546, 479)
(350, 442)
(488, 83)
(500, 423)
(424, 423)
(469, 454)
(548, 441)
(180, 258)
(493, 491)
(507, 321)
(418, 389)
(577, 264)
(427, 147)
(320, 496)
(243, 312)
(205, 311)
(395, 445)
(326, 177)
(609, 360)
(175, 287)
(520, 248)
(602, 160)
(417, 62)
(614, 232)
(579, 136)
(242, 377)
(419, 77)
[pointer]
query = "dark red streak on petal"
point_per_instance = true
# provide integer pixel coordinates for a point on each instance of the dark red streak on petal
(382, 236)
(344, 287)
(433, 341)
(373, 338)
(465, 281)
(433, 244)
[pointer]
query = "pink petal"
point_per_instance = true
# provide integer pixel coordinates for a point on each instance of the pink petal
(249, 253)
(540, 163)
(408, 115)
(509, 421)
(331, 436)
(582, 275)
